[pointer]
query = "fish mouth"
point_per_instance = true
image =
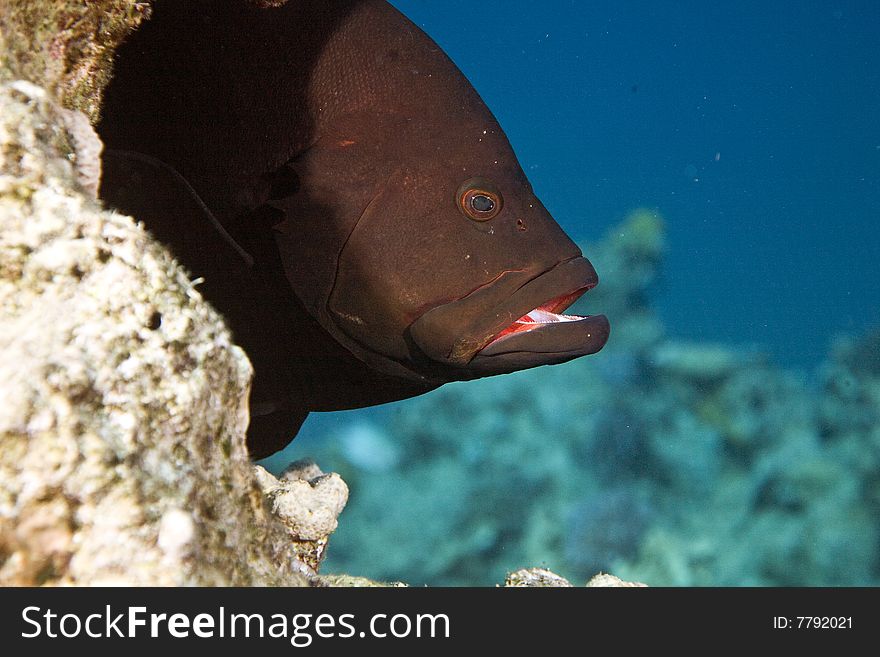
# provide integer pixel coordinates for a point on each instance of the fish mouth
(515, 323)
(541, 319)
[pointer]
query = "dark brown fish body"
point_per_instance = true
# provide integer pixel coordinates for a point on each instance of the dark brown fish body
(393, 242)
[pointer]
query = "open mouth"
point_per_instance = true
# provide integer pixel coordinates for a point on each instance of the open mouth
(476, 334)
(546, 313)
(545, 335)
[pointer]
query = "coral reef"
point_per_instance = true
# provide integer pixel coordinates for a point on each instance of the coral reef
(667, 462)
(124, 401)
(543, 578)
(610, 581)
(122, 456)
(67, 46)
(536, 577)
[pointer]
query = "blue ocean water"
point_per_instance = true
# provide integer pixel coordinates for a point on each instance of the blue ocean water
(753, 129)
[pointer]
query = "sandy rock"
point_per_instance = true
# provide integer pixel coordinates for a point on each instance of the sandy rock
(308, 502)
(87, 147)
(606, 580)
(124, 401)
(541, 577)
(349, 581)
(66, 46)
(536, 577)
(305, 499)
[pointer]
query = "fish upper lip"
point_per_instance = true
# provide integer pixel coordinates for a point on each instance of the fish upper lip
(523, 300)
(457, 333)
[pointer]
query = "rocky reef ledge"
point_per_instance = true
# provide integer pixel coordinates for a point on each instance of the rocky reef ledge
(123, 401)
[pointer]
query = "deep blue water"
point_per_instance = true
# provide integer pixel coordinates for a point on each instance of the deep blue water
(754, 128)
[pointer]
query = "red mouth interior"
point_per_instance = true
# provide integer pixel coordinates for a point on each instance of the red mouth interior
(547, 313)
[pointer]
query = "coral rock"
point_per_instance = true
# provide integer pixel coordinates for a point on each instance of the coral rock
(535, 577)
(606, 580)
(122, 455)
(308, 502)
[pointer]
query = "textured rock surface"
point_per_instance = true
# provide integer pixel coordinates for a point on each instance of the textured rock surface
(349, 581)
(308, 502)
(606, 580)
(535, 577)
(65, 46)
(124, 401)
(543, 578)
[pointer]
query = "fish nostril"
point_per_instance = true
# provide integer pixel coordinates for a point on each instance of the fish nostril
(520, 224)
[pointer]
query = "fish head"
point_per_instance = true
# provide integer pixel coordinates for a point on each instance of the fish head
(446, 265)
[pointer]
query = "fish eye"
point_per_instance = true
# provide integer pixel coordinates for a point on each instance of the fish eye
(478, 199)
(481, 203)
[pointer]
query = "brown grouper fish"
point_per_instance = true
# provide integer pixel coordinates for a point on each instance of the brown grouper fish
(354, 209)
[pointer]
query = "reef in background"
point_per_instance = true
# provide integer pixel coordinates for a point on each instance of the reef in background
(663, 461)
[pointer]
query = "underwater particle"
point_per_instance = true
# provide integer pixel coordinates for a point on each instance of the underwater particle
(618, 443)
